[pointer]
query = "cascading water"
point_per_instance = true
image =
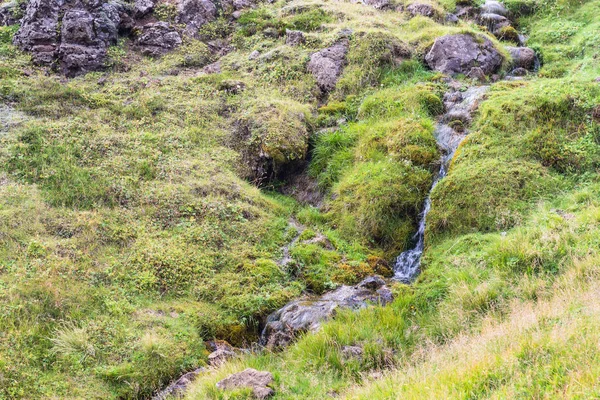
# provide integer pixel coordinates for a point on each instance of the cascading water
(459, 106)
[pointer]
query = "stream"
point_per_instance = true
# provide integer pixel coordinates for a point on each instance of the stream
(459, 107)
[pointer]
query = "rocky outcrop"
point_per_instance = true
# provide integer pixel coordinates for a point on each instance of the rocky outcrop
(74, 38)
(327, 65)
(141, 8)
(458, 54)
(307, 314)
(258, 381)
(157, 39)
(195, 13)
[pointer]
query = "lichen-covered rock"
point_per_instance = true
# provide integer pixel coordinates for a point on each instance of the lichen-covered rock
(294, 38)
(157, 39)
(458, 54)
(307, 314)
(425, 10)
(326, 65)
(522, 57)
(195, 13)
(258, 381)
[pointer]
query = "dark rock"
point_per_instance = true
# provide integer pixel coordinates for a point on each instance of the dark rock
(294, 38)
(523, 57)
(11, 12)
(457, 54)
(327, 65)
(157, 39)
(494, 7)
(451, 18)
(39, 30)
(425, 10)
(81, 43)
(466, 12)
(258, 381)
(179, 387)
(518, 72)
(195, 13)
(307, 315)
(143, 7)
(378, 4)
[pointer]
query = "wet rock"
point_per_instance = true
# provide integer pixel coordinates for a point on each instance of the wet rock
(179, 387)
(519, 72)
(142, 8)
(458, 54)
(327, 65)
(494, 22)
(425, 10)
(157, 39)
(195, 13)
(294, 38)
(307, 314)
(523, 57)
(258, 381)
(494, 7)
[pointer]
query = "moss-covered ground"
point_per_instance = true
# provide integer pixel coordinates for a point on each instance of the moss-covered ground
(134, 229)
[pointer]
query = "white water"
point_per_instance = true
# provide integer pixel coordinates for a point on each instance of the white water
(460, 106)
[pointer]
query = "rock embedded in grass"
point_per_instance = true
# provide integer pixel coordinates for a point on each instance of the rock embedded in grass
(307, 314)
(458, 54)
(522, 57)
(157, 39)
(326, 65)
(426, 10)
(258, 381)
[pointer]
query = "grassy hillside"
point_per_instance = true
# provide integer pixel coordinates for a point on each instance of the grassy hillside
(134, 227)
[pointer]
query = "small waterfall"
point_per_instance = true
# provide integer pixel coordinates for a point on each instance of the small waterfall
(459, 108)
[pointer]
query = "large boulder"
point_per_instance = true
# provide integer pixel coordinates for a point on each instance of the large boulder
(522, 57)
(258, 381)
(326, 65)
(157, 39)
(307, 314)
(458, 54)
(195, 13)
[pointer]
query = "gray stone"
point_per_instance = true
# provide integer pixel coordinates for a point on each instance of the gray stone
(143, 8)
(157, 39)
(493, 22)
(195, 13)
(327, 65)
(39, 32)
(451, 18)
(457, 54)
(294, 38)
(425, 10)
(11, 12)
(178, 388)
(477, 73)
(307, 314)
(519, 72)
(352, 352)
(378, 4)
(522, 57)
(219, 356)
(258, 381)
